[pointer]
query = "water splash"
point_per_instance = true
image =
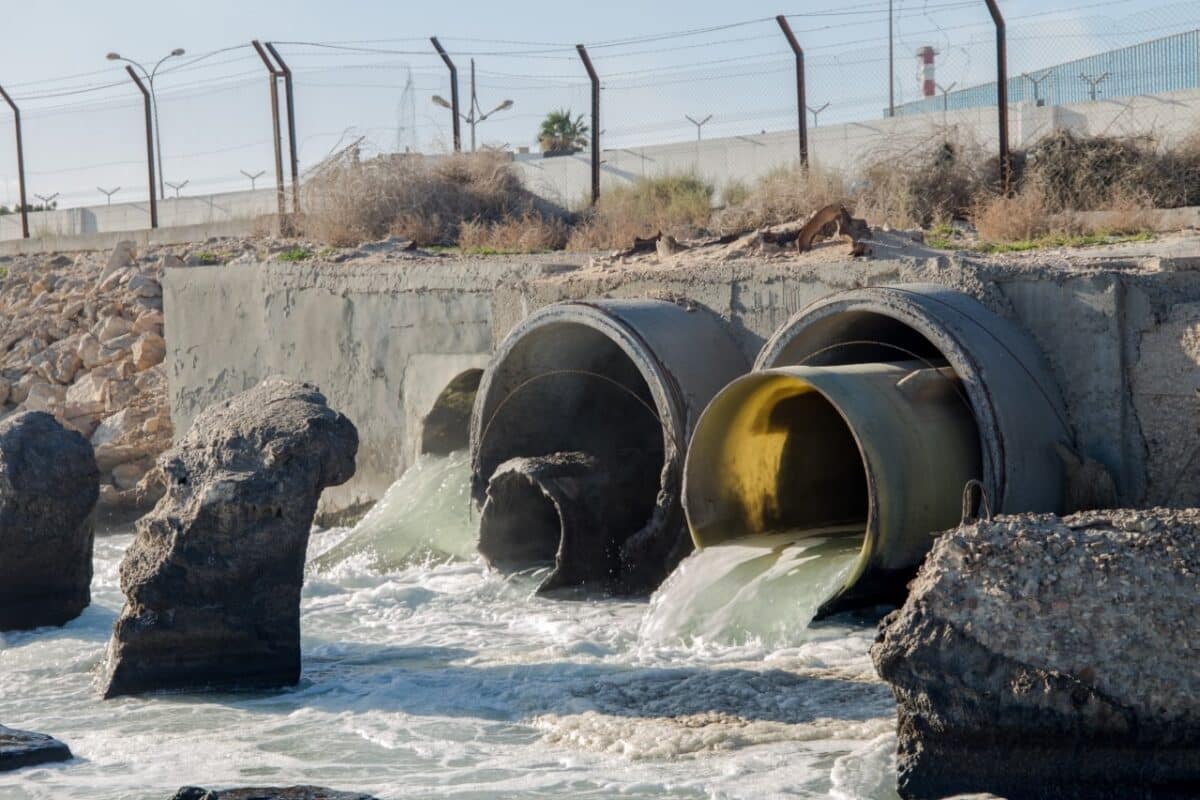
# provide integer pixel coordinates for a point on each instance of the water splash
(759, 588)
(424, 516)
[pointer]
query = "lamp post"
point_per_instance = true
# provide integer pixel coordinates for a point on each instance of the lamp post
(149, 75)
(476, 115)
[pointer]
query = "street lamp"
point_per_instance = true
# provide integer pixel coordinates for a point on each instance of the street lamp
(476, 114)
(149, 74)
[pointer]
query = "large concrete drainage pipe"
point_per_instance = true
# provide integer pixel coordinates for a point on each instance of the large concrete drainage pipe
(578, 436)
(866, 415)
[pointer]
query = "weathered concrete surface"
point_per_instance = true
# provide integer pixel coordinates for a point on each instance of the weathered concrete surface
(1047, 657)
(49, 484)
(1118, 326)
(212, 581)
(20, 749)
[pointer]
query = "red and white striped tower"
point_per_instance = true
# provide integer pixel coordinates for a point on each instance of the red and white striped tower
(926, 74)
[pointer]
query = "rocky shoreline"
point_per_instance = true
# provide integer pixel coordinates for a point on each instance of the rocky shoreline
(81, 338)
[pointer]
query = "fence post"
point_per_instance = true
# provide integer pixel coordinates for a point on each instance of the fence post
(1002, 96)
(291, 119)
(801, 101)
(277, 137)
(454, 110)
(149, 146)
(595, 78)
(20, 164)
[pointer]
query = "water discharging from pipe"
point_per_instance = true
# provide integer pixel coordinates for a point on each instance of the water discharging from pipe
(425, 515)
(764, 588)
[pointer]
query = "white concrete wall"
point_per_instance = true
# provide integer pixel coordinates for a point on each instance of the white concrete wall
(847, 147)
(172, 212)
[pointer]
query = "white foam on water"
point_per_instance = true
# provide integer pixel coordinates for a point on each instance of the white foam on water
(759, 588)
(448, 680)
(424, 516)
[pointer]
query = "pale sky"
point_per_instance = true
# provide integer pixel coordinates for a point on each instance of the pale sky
(81, 134)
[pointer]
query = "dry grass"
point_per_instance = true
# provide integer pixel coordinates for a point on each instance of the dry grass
(920, 189)
(782, 195)
(529, 233)
(1030, 216)
(426, 200)
(678, 205)
(1021, 217)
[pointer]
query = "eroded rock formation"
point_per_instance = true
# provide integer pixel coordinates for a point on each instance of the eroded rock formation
(48, 489)
(1040, 657)
(212, 581)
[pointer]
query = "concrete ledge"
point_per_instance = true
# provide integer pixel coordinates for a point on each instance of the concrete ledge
(180, 234)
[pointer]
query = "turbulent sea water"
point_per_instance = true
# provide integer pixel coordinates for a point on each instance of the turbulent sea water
(427, 675)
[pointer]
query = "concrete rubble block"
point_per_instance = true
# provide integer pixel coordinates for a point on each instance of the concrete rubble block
(149, 350)
(21, 389)
(86, 396)
(47, 397)
(143, 285)
(1048, 657)
(109, 328)
(19, 749)
(212, 581)
(122, 256)
(149, 322)
(267, 793)
(49, 484)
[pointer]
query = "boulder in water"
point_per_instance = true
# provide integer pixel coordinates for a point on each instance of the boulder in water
(49, 484)
(268, 793)
(212, 581)
(27, 749)
(1047, 657)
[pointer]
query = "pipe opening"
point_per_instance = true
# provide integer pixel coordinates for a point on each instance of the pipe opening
(520, 526)
(567, 391)
(876, 451)
(821, 480)
(447, 426)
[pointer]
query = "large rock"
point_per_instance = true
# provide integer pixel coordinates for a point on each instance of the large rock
(1040, 657)
(268, 793)
(20, 749)
(212, 581)
(48, 488)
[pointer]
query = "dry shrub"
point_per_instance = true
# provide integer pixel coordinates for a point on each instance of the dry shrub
(1021, 217)
(529, 233)
(423, 199)
(678, 205)
(782, 195)
(1097, 172)
(919, 189)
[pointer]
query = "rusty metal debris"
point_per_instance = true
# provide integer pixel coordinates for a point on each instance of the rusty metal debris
(830, 221)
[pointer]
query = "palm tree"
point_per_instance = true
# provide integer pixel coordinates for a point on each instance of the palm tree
(560, 133)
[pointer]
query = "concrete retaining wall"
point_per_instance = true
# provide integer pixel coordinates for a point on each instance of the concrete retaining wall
(1122, 338)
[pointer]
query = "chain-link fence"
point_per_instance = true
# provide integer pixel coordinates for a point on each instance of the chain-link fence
(881, 80)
